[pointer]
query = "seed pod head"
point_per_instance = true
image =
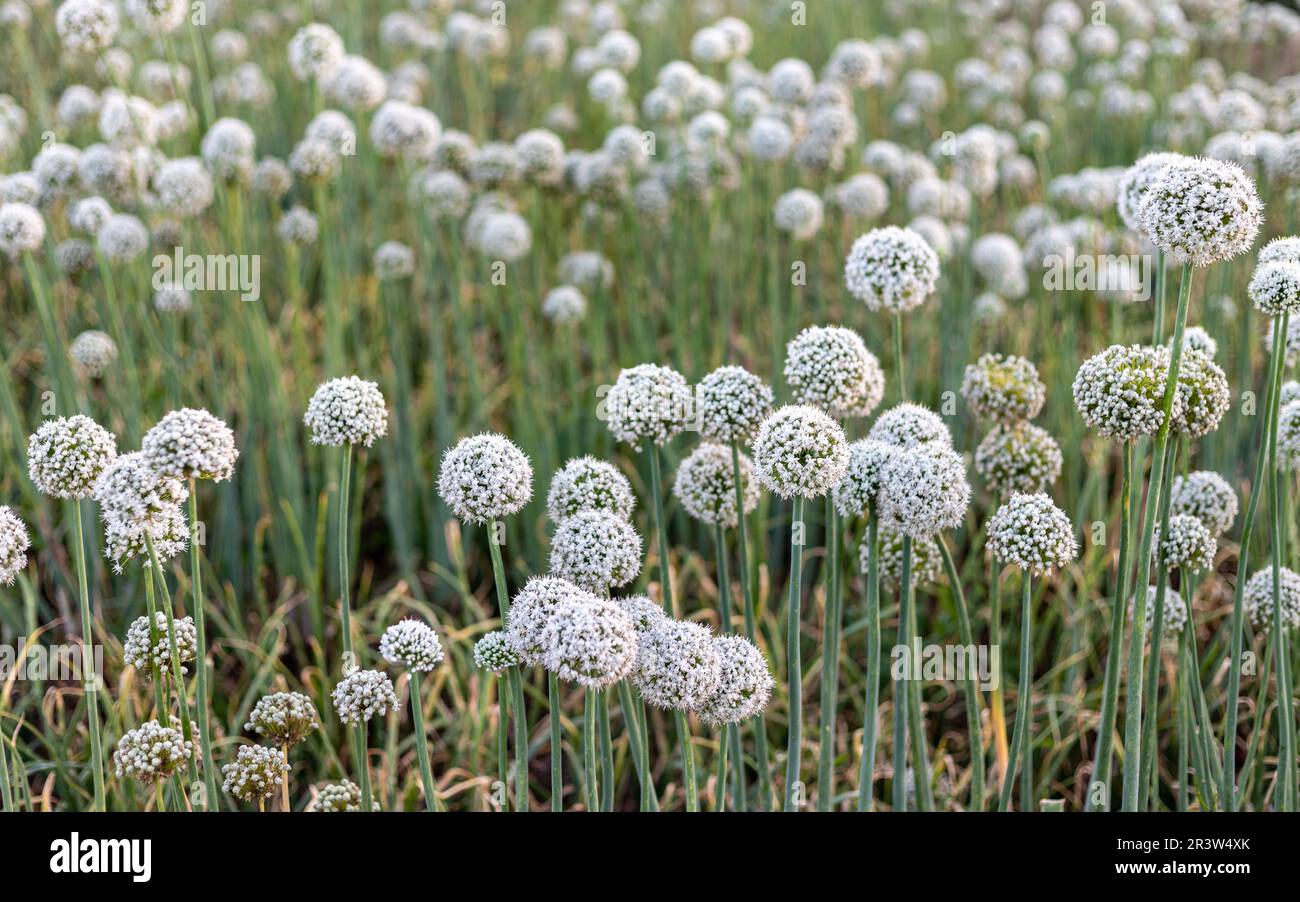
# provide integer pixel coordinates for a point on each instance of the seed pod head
(927, 563)
(1188, 545)
(678, 666)
(151, 752)
(363, 694)
(732, 403)
(924, 492)
(745, 685)
(588, 484)
(1257, 599)
(596, 551)
(648, 402)
(347, 411)
(255, 774)
(911, 426)
(1203, 395)
(1207, 497)
(485, 477)
(891, 269)
(1031, 532)
(285, 718)
(1120, 392)
(1200, 211)
(191, 444)
(1019, 457)
(141, 651)
(342, 796)
(590, 642)
(1274, 288)
(800, 451)
(65, 457)
(1004, 387)
(829, 367)
(706, 487)
(14, 543)
(411, 644)
(493, 652)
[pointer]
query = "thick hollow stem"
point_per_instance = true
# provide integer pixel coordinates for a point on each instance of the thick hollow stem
(1024, 695)
(871, 704)
(201, 658)
(762, 761)
(421, 746)
(89, 676)
(794, 669)
(830, 663)
(974, 730)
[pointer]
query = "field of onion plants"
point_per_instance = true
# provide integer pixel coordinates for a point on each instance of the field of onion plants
(711, 405)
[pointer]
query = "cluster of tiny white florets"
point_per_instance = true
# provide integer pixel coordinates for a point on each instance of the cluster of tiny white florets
(141, 651)
(891, 269)
(926, 563)
(363, 694)
(14, 543)
(1203, 395)
(1283, 249)
(1175, 613)
(678, 666)
(596, 550)
(799, 450)
(393, 260)
(22, 229)
(645, 613)
(564, 304)
(65, 457)
(255, 774)
(732, 403)
(315, 51)
(493, 653)
(706, 485)
(404, 130)
(140, 506)
(1196, 338)
(588, 484)
(911, 426)
(1019, 457)
(151, 752)
(93, 352)
(485, 477)
(745, 685)
(285, 718)
(862, 482)
(830, 368)
(1257, 598)
(1031, 532)
(799, 213)
(343, 796)
(86, 27)
(648, 402)
(1120, 392)
(411, 644)
(1274, 287)
(1005, 388)
(1134, 183)
(1207, 497)
(347, 411)
(1199, 211)
(590, 642)
(1189, 544)
(191, 443)
(1288, 436)
(531, 610)
(183, 187)
(924, 491)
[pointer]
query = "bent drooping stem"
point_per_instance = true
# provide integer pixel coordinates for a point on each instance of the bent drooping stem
(870, 723)
(794, 668)
(201, 659)
(91, 678)
(972, 691)
(1024, 695)
(751, 630)
(514, 678)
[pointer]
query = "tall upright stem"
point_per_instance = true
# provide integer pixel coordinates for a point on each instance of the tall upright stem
(1282, 649)
(751, 632)
(201, 658)
(974, 729)
(345, 579)
(899, 365)
(514, 678)
(794, 667)
(90, 677)
(421, 745)
(871, 704)
(921, 771)
(830, 662)
(1024, 695)
(557, 741)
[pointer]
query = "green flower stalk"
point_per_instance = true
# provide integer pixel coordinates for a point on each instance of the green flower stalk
(415, 646)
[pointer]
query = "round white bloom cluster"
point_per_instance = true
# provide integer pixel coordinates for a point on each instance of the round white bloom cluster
(800, 450)
(596, 551)
(123, 238)
(1274, 288)
(1018, 458)
(590, 642)
(191, 443)
(799, 213)
(1288, 436)
(493, 652)
(151, 752)
(140, 651)
(1004, 387)
(1120, 392)
(14, 543)
(648, 402)
(678, 666)
(564, 304)
(412, 644)
(863, 479)
(404, 130)
(1203, 395)
(1031, 532)
(315, 51)
(93, 352)
(706, 487)
(485, 477)
(139, 506)
(911, 426)
(891, 269)
(363, 694)
(393, 260)
(924, 492)
(1257, 598)
(183, 187)
(1283, 249)
(298, 226)
(343, 796)
(829, 367)
(1196, 338)
(285, 718)
(65, 457)
(1199, 211)
(348, 411)
(22, 229)
(531, 610)
(926, 564)
(732, 403)
(588, 484)
(745, 686)
(255, 774)
(1175, 614)
(1207, 497)
(645, 613)
(86, 27)
(1134, 183)
(1189, 545)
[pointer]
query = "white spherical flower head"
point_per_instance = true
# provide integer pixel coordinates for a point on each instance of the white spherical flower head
(1134, 183)
(342, 796)
(1188, 545)
(829, 367)
(799, 213)
(151, 752)
(924, 492)
(588, 484)
(1257, 599)
(678, 666)
(93, 352)
(363, 694)
(732, 403)
(285, 718)
(1175, 612)
(123, 238)
(65, 457)
(596, 550)
(592, 643)
(910, 426)
(1206, 496)
(1274, 288)
(315, 51)
(706, 487)
(1196, 338)
(1285, 249)
(1019, 457)
(140, 506)
(541, 156)
(411, 644)
(493, 653)
(347, 411)
(404, 130)
(140, 651)
(531, 611)
(891, 269)
(859, 490)
(505, 236)
(1200, 211)
(485, 477)
(183, 187)
(393, 260)
(1031, 532)
(1004, 387)
(926, 564)
(191, 443)
(1120, 392)
(256, 773)
(746, 684)
(86, 27)
(564, 304)
(645, 614)
(800, 451)
(1288, 436)
(648, 402)
(1203, 395)
(14, 543)
(22, 229)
